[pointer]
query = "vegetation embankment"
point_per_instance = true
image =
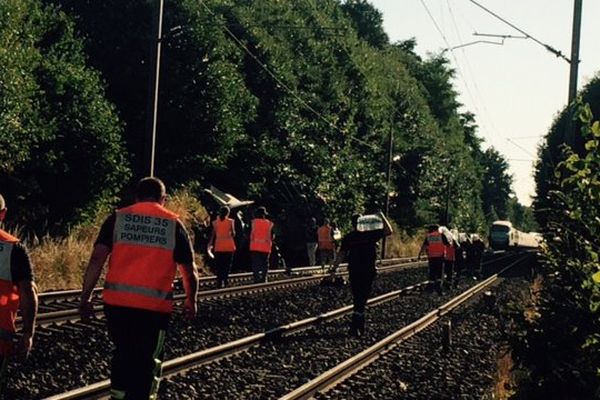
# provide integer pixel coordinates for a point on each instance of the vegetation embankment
(556, 349)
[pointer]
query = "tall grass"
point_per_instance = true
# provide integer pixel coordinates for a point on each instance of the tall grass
(59, 263)
(400, 244)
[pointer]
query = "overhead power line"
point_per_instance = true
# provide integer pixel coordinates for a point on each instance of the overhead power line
(551, 49)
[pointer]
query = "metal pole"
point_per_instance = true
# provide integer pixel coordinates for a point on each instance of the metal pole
(575, 39)
(153, 86)
(388, 176)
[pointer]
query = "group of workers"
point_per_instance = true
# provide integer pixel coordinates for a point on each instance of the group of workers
(448, 256)
(145, 244)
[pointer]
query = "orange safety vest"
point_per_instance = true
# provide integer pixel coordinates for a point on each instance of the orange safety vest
(260, 235)
(9, 293)
(435, 246)
(142, 267)
(224, 235)
(325, 239)
(450, 253)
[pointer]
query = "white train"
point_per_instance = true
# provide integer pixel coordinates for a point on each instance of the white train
(504, 236)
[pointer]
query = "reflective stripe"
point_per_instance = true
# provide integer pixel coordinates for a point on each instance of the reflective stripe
(5, 255)
(141, 290)
(157, 372)
(117, 394)
(6, 334)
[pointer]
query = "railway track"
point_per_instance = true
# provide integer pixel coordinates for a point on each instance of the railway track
(194, 360)
(338, 374)
(61, 306)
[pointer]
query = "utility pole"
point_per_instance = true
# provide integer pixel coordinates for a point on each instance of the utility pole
(575, 40)
(153, 83)
(388, 176)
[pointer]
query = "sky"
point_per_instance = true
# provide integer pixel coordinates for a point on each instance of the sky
(515, 89)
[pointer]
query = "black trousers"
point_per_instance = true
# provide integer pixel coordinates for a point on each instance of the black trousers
(138, 336)
(360, 285)
(436, 272)
(223, 261)
(449, 270)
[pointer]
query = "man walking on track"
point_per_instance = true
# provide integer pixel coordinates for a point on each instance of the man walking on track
(360, 249)
(435, 244)
(223, 243)
(326, 244)
(17, 290)
(261, 241)
(147, 244)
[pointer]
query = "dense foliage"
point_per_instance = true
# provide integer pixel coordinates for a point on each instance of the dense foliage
(558, 351)
(60, 140)
(290, 103)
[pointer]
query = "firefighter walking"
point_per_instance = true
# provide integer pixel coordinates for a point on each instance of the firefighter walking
(17, 291)
(435, 245)
(359, 247)
(261, 242)
(223, 243)
(326, 244)
(147, 244)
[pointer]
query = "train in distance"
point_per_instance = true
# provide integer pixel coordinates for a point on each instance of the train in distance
(504, 236)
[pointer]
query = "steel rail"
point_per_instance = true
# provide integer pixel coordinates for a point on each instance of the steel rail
(65, 295)
(72, 314)
(342, 371)
(100, 390)
(181, 364)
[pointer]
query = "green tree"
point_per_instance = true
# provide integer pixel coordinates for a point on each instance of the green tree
(61, 154)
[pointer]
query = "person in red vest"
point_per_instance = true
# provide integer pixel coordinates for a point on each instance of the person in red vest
(326, 244)
(223, 245)
(261, 241)
(17, 291)
(435, 245)
(147, 244)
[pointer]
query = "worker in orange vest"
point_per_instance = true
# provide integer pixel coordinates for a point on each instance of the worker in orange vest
(261, 241)
(147, 244)
(17, 291)
(326, 244)
(222, 243)
(435, 245)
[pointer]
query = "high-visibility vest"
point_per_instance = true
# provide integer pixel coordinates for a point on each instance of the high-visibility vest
(224, 235)
(450, 253)
(325, 239)
(142, 267)
(435, 246)
(260, 235)
(9, 293)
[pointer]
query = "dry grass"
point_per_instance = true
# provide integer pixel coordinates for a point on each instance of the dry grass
(399, 244)
(59, 263)
(504, 382)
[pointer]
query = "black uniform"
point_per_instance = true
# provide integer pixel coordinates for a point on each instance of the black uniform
(362, 253)
(474, 257)
(138, 334)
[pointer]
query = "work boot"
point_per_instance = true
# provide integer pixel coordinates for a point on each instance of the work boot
(361, 324)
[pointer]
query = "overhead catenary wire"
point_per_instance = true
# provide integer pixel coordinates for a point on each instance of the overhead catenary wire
(470, 70)
(458, 69)
(272, 74)
(551, 49)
